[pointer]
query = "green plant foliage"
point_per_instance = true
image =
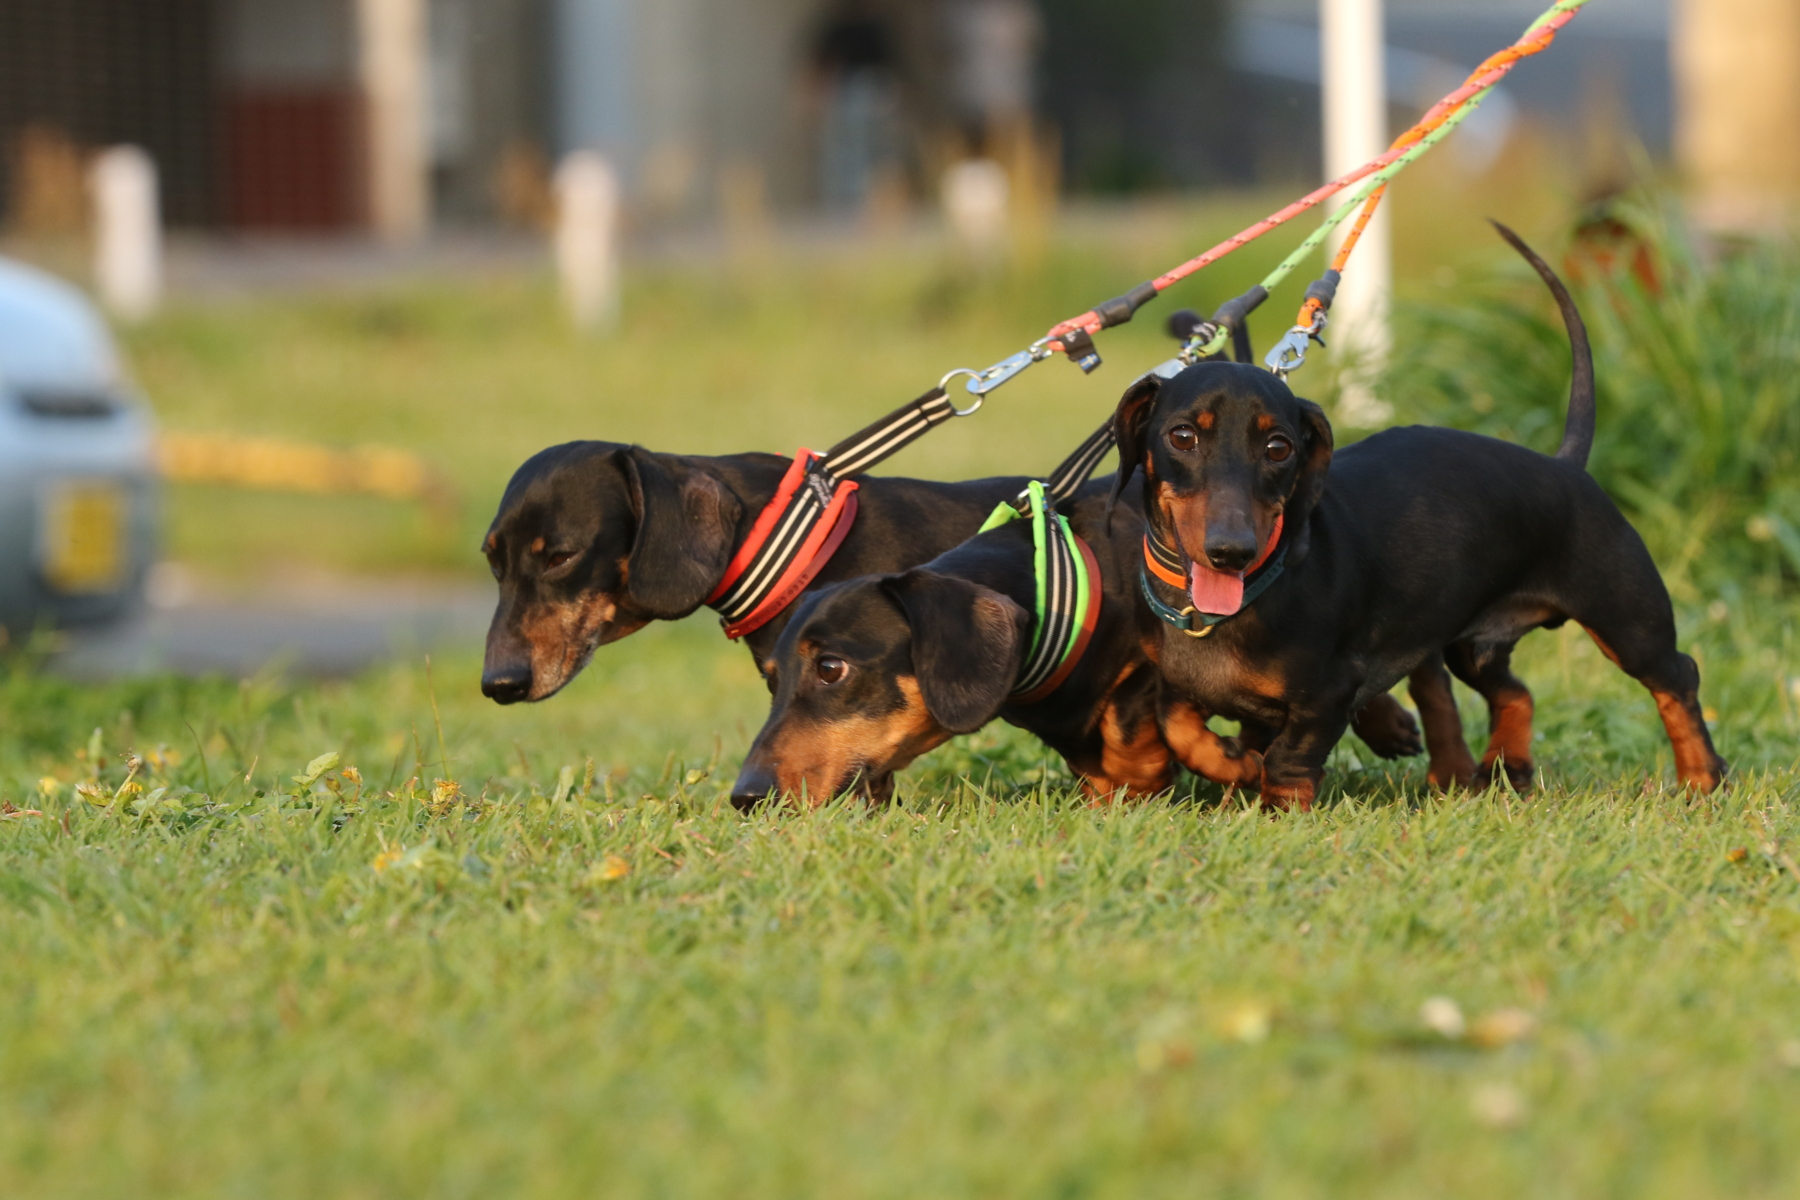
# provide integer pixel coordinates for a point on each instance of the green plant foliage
(1699, 409)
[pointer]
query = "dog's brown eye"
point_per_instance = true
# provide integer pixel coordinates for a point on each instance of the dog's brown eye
(558, 559)
(1279, 448)
(1184, 437)
(831, 670)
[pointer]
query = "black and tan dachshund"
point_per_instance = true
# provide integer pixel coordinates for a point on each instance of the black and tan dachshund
(1409, 541)
(872, 673)
(594, 540)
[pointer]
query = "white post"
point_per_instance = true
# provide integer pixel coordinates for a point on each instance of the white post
(975, 195)
(392, 36)
(1737, 85)
(587, 236)
(1355, 101)
(127, 232)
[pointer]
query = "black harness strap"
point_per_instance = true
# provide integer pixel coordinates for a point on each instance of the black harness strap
(1068, 581)
(1076, 469)
(1070, 474)
(888, 436)
(810, 514)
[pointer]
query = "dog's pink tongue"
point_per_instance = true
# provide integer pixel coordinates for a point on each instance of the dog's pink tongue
(1215, 593)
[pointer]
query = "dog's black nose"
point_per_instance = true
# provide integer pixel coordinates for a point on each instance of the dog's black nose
(1229, 552)
(507, 684)
(755, 783)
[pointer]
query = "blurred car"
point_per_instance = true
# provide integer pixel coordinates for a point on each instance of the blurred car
(78, 495)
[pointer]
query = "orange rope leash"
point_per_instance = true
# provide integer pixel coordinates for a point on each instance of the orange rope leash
(1497, 64)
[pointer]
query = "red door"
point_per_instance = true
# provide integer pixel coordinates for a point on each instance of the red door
(292, 158)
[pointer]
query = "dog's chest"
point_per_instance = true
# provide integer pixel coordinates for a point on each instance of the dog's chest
(1211, 673)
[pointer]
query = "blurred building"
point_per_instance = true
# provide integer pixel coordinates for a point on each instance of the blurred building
(260, 113)
(318, 115)
(338, 115)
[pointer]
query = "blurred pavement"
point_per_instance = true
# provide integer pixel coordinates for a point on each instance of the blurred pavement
(316, 627)
(212, 267)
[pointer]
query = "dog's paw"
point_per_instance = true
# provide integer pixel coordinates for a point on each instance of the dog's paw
(1388, 729)
(1444, 776)
(1288, 797)
(1519, 776)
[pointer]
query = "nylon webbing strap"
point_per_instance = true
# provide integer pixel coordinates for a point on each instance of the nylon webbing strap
(814, 506)
(1171, 567)
(1076, 469)
(1067, 479)
(888, 436)
(1165, 562)
(791, 540)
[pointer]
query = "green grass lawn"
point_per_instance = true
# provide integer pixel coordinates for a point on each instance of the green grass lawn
(582, 973)
(533, 951)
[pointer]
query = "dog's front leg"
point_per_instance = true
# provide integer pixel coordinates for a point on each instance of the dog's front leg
(1294, 764)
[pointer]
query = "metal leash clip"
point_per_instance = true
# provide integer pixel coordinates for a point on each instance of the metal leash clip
(1207, 338)
(982, 382)
(1290, 351)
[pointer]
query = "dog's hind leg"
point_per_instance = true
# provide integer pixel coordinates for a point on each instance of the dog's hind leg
(1617, 595)
(1450, 763)
(1488, 669)
(1674, 680)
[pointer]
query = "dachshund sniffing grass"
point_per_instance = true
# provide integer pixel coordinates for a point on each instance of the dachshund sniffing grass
(594, 540)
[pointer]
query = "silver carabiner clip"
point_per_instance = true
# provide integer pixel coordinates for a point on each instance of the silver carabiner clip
(1002, 371)
(982, 382)
(1288, 353)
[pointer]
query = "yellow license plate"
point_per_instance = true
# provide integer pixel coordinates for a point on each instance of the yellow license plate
(84, 536)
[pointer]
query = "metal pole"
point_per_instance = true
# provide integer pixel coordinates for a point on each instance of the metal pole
(587, 239)
(1737, 76)
(1355, 121)
(393, 68)
(127, 232)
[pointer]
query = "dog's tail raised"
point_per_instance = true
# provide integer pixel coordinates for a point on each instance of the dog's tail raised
(1578, 429)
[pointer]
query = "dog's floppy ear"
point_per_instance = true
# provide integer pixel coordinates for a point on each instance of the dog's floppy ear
(1130, 422)
(968, 643)
(685, 525)
(1315, 463)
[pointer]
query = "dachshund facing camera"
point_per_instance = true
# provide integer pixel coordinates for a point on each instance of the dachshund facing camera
(1409, 541)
